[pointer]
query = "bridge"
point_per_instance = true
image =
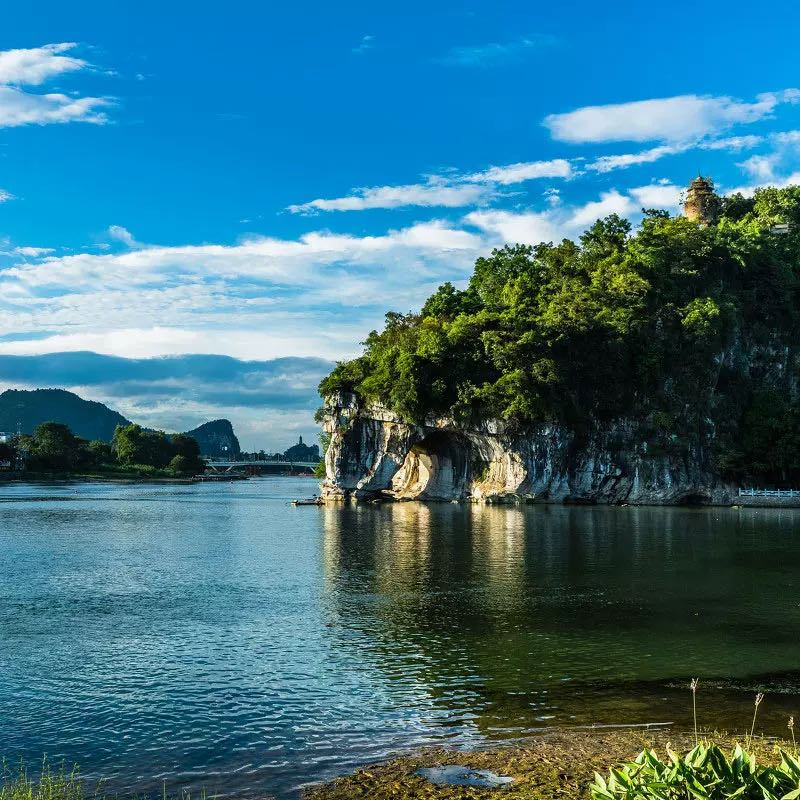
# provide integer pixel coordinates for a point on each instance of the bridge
(255, 467)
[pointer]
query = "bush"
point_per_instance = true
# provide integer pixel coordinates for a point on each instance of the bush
(181, 465)
(704, 773)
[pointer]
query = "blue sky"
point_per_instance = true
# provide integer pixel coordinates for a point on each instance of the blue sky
(263, 181)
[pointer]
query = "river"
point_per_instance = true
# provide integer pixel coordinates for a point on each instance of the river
(214, 636)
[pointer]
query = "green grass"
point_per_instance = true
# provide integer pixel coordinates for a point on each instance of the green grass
(63, 784)
(46, 783)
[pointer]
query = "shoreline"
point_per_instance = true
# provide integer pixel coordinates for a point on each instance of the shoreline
(553, 764)
(71, 479)
(743, 502)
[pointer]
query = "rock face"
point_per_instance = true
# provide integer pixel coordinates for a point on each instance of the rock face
(375, 454)
(216, 439)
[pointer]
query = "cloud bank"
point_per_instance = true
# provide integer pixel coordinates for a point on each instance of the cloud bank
(33, 67)
(669, 119)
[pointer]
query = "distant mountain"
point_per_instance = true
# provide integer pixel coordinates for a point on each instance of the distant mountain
(92, 420)
(216, 439)
(84, 417)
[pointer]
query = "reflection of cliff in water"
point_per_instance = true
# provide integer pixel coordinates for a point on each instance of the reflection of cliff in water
(514, 618)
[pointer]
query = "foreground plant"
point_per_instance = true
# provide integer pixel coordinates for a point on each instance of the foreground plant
(64, 784)
(48, 785)
(705, 773)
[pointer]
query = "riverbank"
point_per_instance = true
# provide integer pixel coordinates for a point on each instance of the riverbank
(95, 477)
(738, 502)
(552, 765)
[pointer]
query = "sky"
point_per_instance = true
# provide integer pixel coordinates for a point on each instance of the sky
(203, 206)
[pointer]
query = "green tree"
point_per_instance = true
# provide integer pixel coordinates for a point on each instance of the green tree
(186, 448)
(54, 447)
(134, 446)
(99, 453)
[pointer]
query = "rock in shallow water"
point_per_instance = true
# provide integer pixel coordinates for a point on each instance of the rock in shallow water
(458, 775)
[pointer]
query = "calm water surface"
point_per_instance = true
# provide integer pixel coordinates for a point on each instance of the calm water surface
(215, 636)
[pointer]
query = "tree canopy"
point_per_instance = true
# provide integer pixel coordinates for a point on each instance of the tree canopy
(54, 448)
(677, 326)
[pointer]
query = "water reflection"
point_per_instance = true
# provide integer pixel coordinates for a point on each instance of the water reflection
(214, 637)
(516, 618)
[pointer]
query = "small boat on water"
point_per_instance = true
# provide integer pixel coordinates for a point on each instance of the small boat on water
(309, 501)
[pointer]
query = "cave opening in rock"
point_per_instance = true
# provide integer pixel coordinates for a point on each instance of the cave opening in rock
(694, 500)
(435, 468)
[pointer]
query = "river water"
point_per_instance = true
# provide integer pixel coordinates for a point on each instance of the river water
(215, 636)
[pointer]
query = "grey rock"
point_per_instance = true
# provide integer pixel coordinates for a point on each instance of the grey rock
(375, 454)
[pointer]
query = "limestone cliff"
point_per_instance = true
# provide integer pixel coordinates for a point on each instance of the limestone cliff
(374, 454)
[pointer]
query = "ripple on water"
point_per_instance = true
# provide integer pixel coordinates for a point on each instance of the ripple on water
(201, 637)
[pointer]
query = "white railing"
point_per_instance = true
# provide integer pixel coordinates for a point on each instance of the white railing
(769, 492)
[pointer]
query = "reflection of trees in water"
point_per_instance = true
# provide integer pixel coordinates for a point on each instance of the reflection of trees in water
(495, 609)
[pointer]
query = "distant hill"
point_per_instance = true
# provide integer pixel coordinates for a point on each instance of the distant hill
(93, 420)
(302, 452)
(216, 439)
(84, 417)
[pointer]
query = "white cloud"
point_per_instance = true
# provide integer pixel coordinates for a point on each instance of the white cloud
(37, 64)
(732, 143)
(557, 222)
(760, 167)
(609, 203)
(165, 341)
(453, 191)
(21, 108)
(121, 234)
(523, 171)
(5, 196)
(776, 167)
(749, 190)
(240, 300)
(32, 252)
(434, 193)
(669, 119)
(528, 227)
(33, 67)
(657, 195)
(609, 163)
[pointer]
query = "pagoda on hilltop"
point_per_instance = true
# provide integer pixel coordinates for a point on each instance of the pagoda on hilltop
(702, 204)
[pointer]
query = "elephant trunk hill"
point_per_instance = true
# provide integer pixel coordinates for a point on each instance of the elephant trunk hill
(656, 366)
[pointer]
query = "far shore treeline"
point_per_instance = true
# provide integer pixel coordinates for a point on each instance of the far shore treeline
(53, 448)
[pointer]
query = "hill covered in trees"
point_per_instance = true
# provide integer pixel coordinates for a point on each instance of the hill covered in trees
(85, 418)
(687, 332)
(92, 421)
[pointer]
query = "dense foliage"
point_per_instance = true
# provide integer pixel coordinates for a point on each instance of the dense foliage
(705, 773)
(688, 330)
(54, 448)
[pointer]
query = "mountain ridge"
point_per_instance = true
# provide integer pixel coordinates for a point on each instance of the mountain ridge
(27, 408)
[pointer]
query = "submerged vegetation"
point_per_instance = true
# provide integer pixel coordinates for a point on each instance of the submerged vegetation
(689, 330)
